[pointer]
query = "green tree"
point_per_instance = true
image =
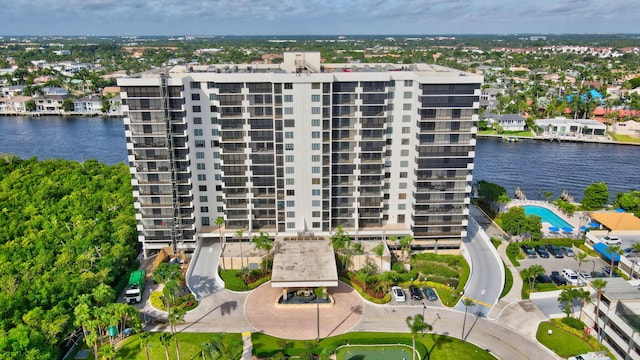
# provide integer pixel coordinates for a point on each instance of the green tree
(166, 272)
(145, 340)
(636, 247)
(263, 242)
(223, 347)
(598, 285)
(405, 247)
(417, 325)
(467, 303)
(531, 273)
(566, 297)
(379, 251)
(176, 314)
(580, 258)
(613, 250)
(596, 196)
(165, 340)
(30, 105)
(239, 235)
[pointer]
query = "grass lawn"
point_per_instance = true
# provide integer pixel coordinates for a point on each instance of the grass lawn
(624, 138)
(440, 346)
(190, 346)
(561, 342)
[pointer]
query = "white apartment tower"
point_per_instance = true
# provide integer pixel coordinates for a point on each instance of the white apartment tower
(381, 150)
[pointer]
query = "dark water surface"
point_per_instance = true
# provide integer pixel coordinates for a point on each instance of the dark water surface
(533, 166)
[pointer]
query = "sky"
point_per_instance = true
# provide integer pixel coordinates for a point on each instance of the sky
(316, 17)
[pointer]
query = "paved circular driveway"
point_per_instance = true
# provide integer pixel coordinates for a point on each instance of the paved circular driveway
(301, 323)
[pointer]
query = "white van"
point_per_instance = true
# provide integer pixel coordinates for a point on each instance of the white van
(571, 276)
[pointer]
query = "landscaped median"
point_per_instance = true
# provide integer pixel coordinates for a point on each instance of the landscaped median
(564, 340)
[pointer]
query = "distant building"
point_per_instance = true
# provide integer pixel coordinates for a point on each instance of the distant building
(571, 129)
(629, 127)
(62, 52)
(302, 147)
(13, 90)
(88, 104)
(50, 103)
(508, 122)
(52, 90)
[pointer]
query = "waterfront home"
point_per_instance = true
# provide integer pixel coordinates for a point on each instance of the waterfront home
(15, 104)
(88, 104)
(508, 122)
(115, 106)
(11, 91)
(629, 127)
(50, 103)
(54, 90)
(561, 128)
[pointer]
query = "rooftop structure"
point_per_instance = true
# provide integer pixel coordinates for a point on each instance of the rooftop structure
(302, 147)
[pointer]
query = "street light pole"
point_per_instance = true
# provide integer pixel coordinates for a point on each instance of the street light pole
(318, 315)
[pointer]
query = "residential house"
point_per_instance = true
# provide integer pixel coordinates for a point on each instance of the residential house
(508, 122)
(561, 128)
(54, 90)
(115, 106)
(15, 104)
(11, 91)
(51, 104)
(88, 104)
(629, 127)
(489, 98)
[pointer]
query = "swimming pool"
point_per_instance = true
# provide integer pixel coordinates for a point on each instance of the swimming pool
(547, 216)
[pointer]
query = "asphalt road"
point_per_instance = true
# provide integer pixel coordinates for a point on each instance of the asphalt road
(487, 273)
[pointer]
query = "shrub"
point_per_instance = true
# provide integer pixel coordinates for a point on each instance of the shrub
(398, 266)
(574, 323)
(513, 253)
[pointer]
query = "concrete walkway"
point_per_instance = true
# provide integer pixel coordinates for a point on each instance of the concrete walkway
(247, 346)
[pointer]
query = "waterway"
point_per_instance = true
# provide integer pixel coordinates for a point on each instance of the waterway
(534, 166)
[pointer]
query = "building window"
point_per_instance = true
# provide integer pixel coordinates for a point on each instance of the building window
(205, 221)
(204, 198)
(289, 123)
(402, 185)
(391, 95)
(291, 225)
(288, 110)
(288, 158)
(315, 214)
(202, 177)
(199, 154)
(404, 141)
(212, 97)
(315, 181)
(195, 97)
(288, 98)
(291, 192)
(289, 170)
(402, 196)
(288, 134)
(408, 94)
(216, 166)
(214, 121)
(197, 132)
(288, 146)
(290, 181)
(315, 158)
(315, 98)
(204, 209)
(291, 214)
(288, 86)
(315, 110)
(196, 108)
(315, 169)
(389, 130)
(406, 106)
(195, 85)
(217, 177)
(315, 146)
(403, 174)
(406, 118)
(220, 209)
(200, 166)
(315, 192)
(200, 143)
(315, 122)
(214, 132)
(197, 120)
(216, 155)
(290, 203)
(315, 203)
(315, 134)
(456, 113)
(402, 206)
(404, 164)
(408, 83)
(406, 130)
(404, 152)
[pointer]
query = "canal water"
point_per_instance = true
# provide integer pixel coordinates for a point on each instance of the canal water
(533, 166)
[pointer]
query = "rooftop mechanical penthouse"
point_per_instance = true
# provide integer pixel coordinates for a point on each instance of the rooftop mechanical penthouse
(302, 148)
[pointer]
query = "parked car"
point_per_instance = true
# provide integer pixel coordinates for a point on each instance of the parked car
(611, 240)
(558, 279)
(398, 294)
(630, 252)
(584, 276)
(415, 293)
(554, 251)
(542, 252)
(429, 293)
(606, 270)
(597, 274)
(543, 279)
(571, 277)
(567, 251)
(528, 251)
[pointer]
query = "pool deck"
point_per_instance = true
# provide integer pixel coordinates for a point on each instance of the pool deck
(579, 218)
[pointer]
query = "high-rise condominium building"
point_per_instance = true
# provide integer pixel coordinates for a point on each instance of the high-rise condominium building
(380, 150)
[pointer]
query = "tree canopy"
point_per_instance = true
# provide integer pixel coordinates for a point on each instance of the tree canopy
(516, 222)
(66, 229)
(596, 196)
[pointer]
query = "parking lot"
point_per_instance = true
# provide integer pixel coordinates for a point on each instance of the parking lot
(557, 264)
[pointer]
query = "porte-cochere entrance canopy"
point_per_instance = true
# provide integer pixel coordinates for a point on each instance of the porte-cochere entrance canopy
(303, 262)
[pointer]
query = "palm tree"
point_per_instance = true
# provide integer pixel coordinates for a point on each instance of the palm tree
(165, 339)
(145, 339)
(379, 250)
(176, 314)
(613, 250)
(222, 346)
(566, 297)
(405, 246)
(220, 222)
(636, 247)
(466, 302)
(416, 324)
(264, 243)
(531, 273)
(580, 257)
(599, 285)
(239, 234)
